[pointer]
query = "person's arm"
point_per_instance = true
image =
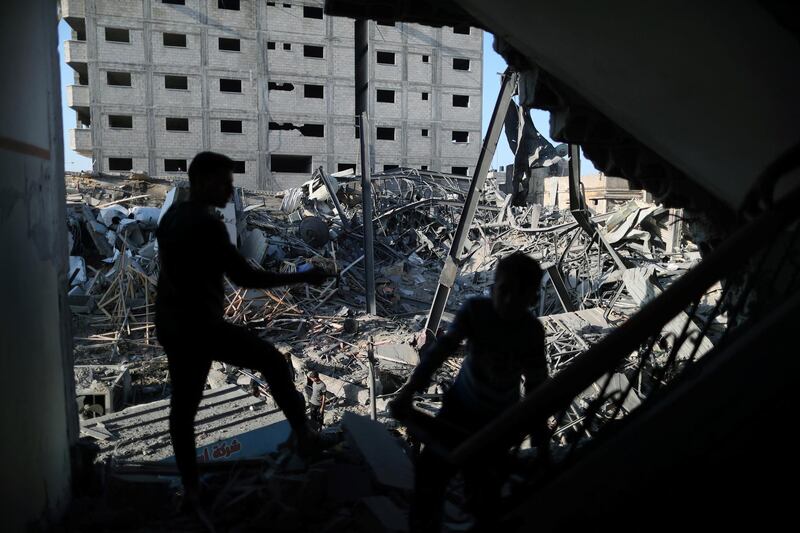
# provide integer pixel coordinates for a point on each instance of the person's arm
(243, 274)
(535, 373)
(535, 366)
(434, 357)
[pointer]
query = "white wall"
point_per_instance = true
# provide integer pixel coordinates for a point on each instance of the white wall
(39, 420)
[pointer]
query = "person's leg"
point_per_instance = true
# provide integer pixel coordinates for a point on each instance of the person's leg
(315, 416)
(188, 373)
(432, 474)
(483, 490)
(238, 346)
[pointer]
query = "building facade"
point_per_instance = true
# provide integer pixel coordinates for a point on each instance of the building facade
(603, 193)
(270, 84)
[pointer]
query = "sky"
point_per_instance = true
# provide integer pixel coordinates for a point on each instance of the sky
(72, 161)
(493, 67)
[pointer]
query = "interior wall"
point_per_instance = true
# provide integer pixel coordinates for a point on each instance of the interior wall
(38, 411)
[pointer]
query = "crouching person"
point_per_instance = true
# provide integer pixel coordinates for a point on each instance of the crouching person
(505, 342)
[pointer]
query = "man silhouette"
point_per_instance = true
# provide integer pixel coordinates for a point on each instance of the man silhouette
(195, 253)
(505, 343)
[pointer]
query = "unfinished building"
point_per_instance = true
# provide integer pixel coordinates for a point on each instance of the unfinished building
(271, 84)
(672, 374)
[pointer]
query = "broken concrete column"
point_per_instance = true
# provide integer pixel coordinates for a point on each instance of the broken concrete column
(351, 392)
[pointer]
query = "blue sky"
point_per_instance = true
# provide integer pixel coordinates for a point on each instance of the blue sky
(493, 67)
(72, 161)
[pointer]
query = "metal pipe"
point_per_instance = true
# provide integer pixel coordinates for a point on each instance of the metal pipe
(577, 205)
(336, 204)
(373, 409)
(366, 214)
(451, 265)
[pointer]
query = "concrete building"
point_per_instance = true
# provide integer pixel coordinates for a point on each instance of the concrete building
(603, 193)
(271, 84)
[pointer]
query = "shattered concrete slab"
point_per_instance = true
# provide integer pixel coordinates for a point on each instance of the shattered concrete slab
(230, 424)
(388, 463)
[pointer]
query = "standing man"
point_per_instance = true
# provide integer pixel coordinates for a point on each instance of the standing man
(316, 400)
(195, 255)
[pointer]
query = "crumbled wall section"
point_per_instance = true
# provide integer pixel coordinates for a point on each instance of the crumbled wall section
(39, 421)
(276, 44)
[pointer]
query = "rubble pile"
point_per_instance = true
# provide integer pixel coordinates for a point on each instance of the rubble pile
(585, 293)
(596, 276)
(111, 224)
(361, 481)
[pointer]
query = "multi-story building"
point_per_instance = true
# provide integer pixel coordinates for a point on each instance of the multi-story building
(271, 84)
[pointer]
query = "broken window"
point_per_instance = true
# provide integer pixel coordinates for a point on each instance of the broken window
(270, 45)
(272, 4)
(175, 165)
(287, 46)
(120, 121)
(176, 82)
(460, 136)
(385, 134)
(459, 171)
(290, 163)
(233, 5)
(385, 58)
(120, 163)
(426, 59)
(310, 12)
(83, 76)
(175, 39)
(83, 116)
(287, 5)
(119, 79)
(174, 2)
(460, 100)
(424, 167)
(461, 29)
(177, 124)
(460, 63)
(424, 96)
(231, 45)
(314, 91)
(424, 132)
(387, 168)
(79, 34)
(313, 51)
(307, 130)
(385, 23)
(357, 132)
(275, 86)
(118, 35)
(345, 166)
(230, 86)
(312, 130)
(239, 167)
(386, 96)
(230, 126)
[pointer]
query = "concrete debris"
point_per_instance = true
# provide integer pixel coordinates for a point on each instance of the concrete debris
(101, 389)
(231, 423)
(353, 393)
(388, 463)
(585, 294)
